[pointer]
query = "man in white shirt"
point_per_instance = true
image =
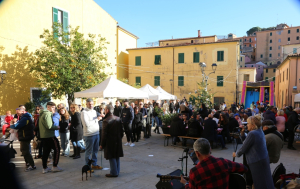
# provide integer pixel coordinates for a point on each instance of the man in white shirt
(91, 132)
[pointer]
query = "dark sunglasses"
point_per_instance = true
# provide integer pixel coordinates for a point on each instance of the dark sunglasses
(37, 109)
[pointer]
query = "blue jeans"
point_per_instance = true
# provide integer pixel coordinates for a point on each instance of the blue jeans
(157, 121)
(152, 121)
(114, 166)
(92, 148)
(81, 144)
(64, 142)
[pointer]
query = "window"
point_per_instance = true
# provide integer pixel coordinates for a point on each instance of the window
(180, 80)
(220, 56)
(180, 57)
(230, 35)
(240, 40)
(267, 70)
(270, 33)
(157, 60)
(138, 81)
(196, 57)
(220, 81)
(279, 47)
(192, 41)
(278, 54)
(246, 77)
(294, 50)
(270, 55)
(270, 63)
(289, 39)
(297, 30)
(289, 31)
(274, 70)
(279, 40)
(137, 60)
(287, 73)
(297, 38)
(249, 45)
(270, 48)
(252, 66)
(156, 80)
(270, 40)
(266, 79)
(241, 58)
(261, 56)
(61, 17)
(250, 40)
(273, 78)
(245, 40)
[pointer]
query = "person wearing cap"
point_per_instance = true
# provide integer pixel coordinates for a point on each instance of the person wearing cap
(274, 140)
(238, 118)
(127, 118)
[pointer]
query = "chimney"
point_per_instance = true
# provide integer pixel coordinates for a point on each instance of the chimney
(199, 34)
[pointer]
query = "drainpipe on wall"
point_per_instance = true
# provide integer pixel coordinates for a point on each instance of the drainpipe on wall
(173, 72)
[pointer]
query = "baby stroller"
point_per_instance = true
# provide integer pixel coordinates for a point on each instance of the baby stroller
(7, 147)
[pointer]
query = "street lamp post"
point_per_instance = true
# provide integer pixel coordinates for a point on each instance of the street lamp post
(3, 74)
(205, 77)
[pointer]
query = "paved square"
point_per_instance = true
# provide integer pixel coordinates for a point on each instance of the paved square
(138, 169)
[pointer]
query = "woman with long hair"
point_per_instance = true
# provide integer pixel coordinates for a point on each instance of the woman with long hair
(137, 124)
(255, 149)
(223, 123)
(36, 116)
(76, 131)
(64, 131)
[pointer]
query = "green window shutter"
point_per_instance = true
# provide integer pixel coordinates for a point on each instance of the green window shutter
(267, 70)
(137, 60)
(273, 78)
(196, 57)
(266, 78)
(156, 80)
(157, 60)
(180, 80)
(220, 56)
(66, 23)
(138, 80)
(220, 81)
(55, 18)
(180, 57)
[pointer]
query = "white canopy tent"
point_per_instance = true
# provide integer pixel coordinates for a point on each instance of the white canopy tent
(161, 90)
(112, 88)
(154, 94)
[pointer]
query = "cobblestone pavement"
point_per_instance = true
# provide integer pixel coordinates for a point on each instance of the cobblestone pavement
(138, 169)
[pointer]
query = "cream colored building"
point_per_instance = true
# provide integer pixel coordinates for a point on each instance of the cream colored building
(289, 50)
(269, 73)
(22, 23)
(245, 74)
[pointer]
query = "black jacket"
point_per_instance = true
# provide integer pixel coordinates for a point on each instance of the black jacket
(118, 111)
(111, 139)
(127, 115)
(64, 124)
(76, 130)
(270, 115)
(293, 121)
(171, 107)
(137, 120)
(177, 127)
(232, 124)
(210, 127)
(25, 127)
(194, 128)
(203, 113)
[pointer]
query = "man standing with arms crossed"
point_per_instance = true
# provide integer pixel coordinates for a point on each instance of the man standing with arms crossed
(91, 136)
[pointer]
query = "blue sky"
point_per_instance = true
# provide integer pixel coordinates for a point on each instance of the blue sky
(161, 19)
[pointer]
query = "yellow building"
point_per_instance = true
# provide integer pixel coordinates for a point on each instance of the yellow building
(269, 72)
(174, 65)
(22, 22)
(125, 40)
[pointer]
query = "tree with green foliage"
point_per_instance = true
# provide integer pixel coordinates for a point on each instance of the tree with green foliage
(252, 30)
(68, 62)
(201, 95)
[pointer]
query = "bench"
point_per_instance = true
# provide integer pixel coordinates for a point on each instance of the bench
(167, 136)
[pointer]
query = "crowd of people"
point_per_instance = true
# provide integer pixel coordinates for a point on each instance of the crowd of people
(92, 129)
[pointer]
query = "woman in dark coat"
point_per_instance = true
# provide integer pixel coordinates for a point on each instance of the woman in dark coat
(203, 111)
(223, 123)
(137, 124)
(64, 131)
(76, 131)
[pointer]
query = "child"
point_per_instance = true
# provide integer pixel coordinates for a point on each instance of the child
(7, 120)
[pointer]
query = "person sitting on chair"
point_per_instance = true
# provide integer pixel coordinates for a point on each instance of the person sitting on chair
(210, 172)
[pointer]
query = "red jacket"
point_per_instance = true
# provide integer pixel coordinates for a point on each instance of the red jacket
(8, 119)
